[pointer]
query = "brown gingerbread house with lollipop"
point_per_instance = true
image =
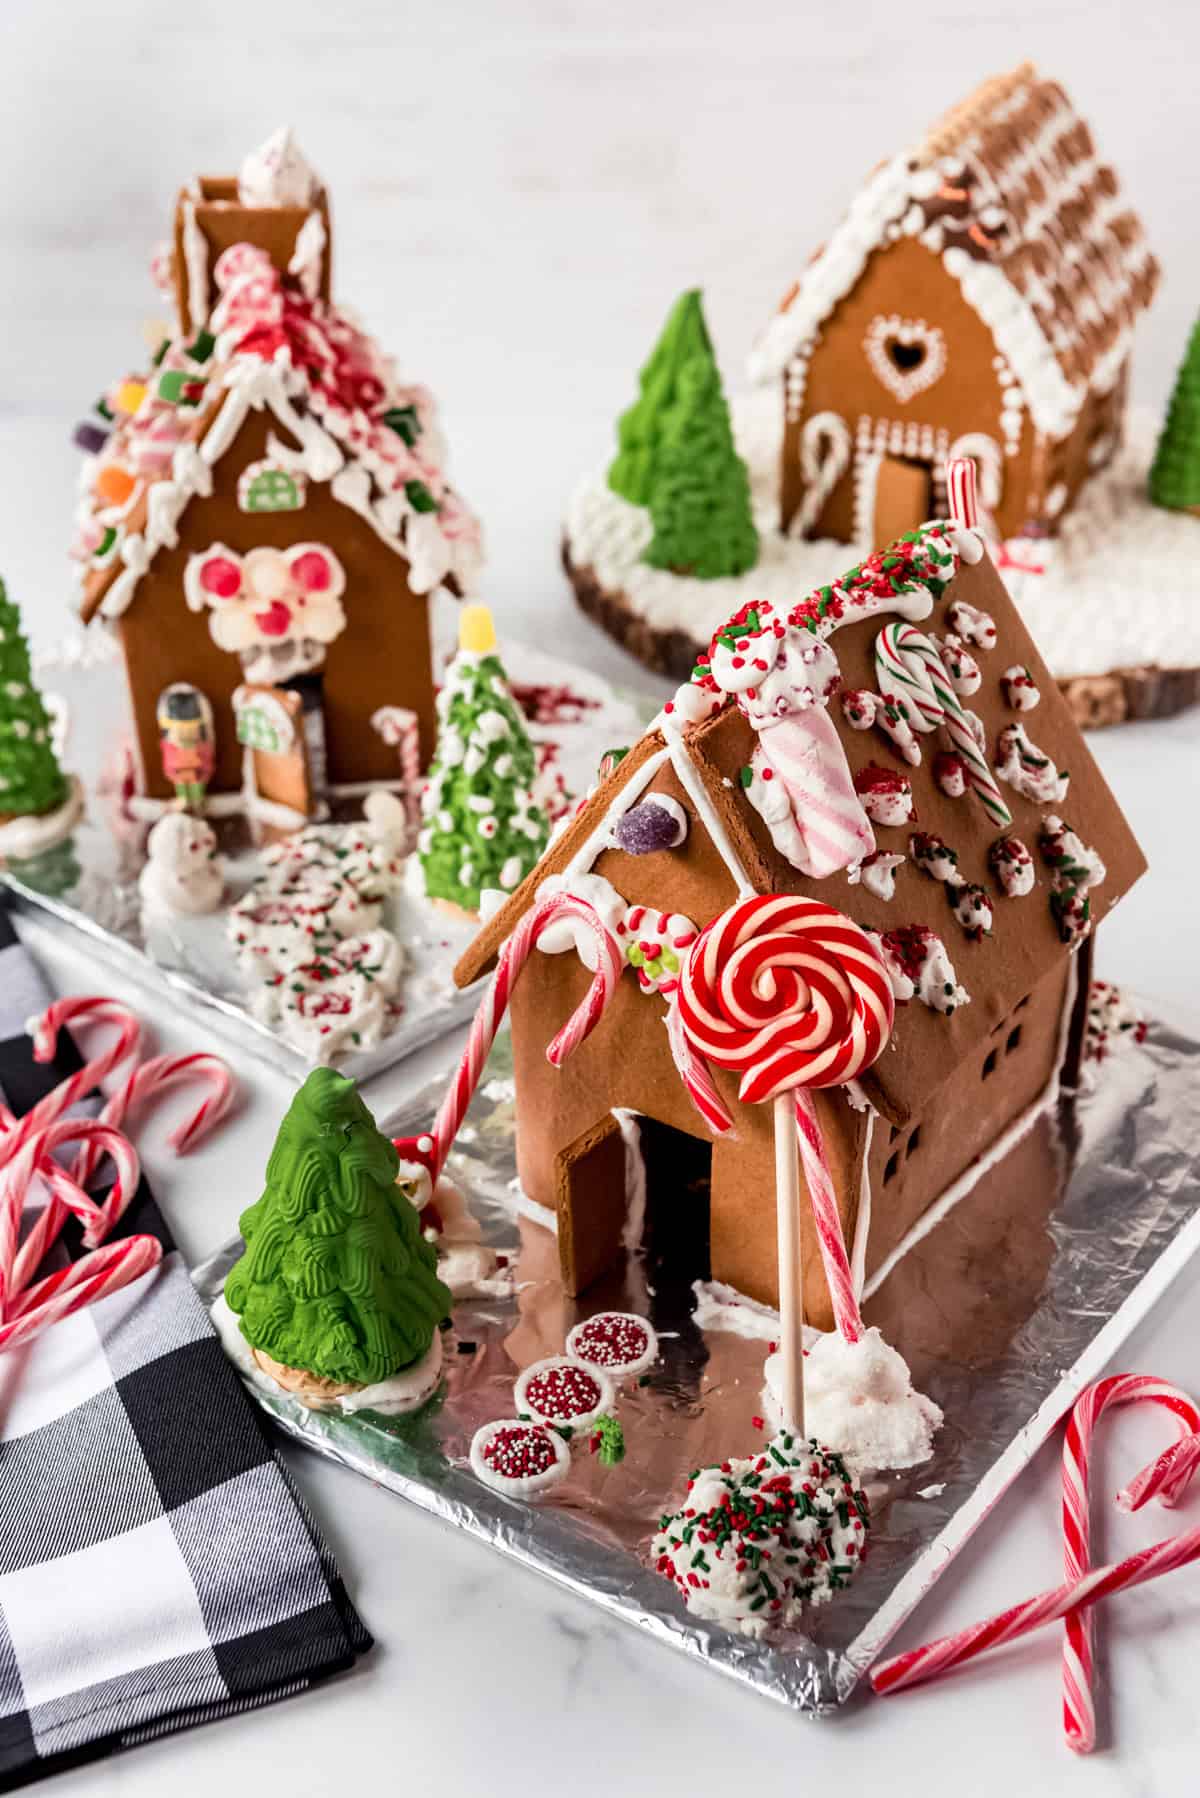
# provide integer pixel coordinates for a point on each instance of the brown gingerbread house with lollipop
(980, 299)
(894, 747)
(265, 511)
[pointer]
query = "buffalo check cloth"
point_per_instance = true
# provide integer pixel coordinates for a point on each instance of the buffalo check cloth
(157, 1568)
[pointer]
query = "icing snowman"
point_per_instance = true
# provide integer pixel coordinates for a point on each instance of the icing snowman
(183, 871)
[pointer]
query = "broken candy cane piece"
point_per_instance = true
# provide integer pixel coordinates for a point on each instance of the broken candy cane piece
(877, 873)
(1024, 767)
(934, 858)
(973, 909)
(950, 773)
(972, 625)
(801, 786)
(887, 797)
(1020, 691)
(1012, 865)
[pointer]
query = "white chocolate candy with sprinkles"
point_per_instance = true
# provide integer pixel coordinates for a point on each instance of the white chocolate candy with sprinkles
(877, 873)
(935, 858)
(564, 1393)
(919, 967)
(960, 664)
(1012, 865)
(885, 795)
(973, 909)
(524, 1460)
(1020, 692)
(623, 1344)
(972, 624)
(950, 773)
(1024, 766)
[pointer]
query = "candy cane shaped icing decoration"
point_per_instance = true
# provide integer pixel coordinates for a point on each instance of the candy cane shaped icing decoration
(913, 678)
(792, 996)
(824, 458)
(513, 956)
(1079, 1713)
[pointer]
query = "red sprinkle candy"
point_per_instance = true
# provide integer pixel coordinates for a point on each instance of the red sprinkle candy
(518, 1451)
(610, 1341)
(562, 1393)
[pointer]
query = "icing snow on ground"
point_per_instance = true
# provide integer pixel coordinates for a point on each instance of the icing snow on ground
(1116, 589)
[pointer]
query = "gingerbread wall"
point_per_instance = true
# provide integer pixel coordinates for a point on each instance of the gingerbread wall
(382, 657)
(907, 280)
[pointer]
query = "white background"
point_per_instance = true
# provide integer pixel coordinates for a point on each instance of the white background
(519, 192)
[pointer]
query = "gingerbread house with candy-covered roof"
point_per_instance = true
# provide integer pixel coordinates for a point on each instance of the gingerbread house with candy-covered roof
(265, 513)
(894, 747)
(979, 298)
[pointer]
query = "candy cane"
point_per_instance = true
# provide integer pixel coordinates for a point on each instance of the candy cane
(494, 1004)
(913, 678)
(960, 492)
(91, 1008)
(1079, 1715)
(17, 1265)
(791, 995)
(104, 1271)
(153, 1078)
(1164, 1479)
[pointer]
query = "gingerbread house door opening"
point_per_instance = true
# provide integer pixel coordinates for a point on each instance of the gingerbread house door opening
(903, 492)
(631, 1187)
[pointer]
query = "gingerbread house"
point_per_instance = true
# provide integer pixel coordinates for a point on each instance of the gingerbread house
(979, 298)
(265, 512)
(971, 831)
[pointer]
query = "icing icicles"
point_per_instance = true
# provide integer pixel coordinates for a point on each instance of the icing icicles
(1022, 764)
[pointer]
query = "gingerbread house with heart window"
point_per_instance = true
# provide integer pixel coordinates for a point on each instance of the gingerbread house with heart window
(265, 514)
(979, 298)
(894, 746)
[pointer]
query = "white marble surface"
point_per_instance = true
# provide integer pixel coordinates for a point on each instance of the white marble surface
(520, 190)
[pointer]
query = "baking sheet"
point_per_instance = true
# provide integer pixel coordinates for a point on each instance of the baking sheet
(89, 882)
(1007, 1308)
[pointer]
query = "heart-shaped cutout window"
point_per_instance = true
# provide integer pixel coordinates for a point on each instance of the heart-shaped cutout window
(905, 354)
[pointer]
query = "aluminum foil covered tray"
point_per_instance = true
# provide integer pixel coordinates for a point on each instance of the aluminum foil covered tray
(1089, 1217)
(90, 882)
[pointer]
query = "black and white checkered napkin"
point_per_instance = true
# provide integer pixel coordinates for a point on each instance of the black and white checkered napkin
(157, 1569)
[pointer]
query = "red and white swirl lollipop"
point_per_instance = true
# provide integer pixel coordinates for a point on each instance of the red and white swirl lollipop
(791, 995)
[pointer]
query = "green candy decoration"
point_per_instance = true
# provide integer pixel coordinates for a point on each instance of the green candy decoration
(639, 431)
(31, 781)
(481, 825)
(700, 505)
(1175, 471)
(337, 1278)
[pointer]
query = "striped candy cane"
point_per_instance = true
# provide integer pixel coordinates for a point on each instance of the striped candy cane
(913, 678)
(960, 492)
(1164, 1479)
(83, 1009)
(104, 1271)
(31, 1159)
(556, 908)
(1079, 1714)
(831, 1237)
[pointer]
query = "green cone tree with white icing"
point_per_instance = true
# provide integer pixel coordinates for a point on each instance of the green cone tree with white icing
(31, 781)
(639, 430)
(482, 827)
(1175, 471)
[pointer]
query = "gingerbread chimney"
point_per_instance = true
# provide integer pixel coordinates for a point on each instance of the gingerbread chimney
(276, 203)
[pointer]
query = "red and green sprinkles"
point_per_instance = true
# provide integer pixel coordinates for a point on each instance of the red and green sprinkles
(757, 1539)
(562, 1394)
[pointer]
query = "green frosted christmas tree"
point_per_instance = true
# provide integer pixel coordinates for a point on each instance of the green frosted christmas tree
(1175, 471)
(336, 1278)
(481, 825)
(701, 499)
(31, 781)
(639, 430)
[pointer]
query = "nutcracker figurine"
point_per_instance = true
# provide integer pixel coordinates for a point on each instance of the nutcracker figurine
(186, 743)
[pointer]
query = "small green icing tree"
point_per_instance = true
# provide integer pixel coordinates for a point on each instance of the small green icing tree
(639, 430)
(481, 826)
(1175, 471)
(337, 1278)
(700, 503)
(31, 781)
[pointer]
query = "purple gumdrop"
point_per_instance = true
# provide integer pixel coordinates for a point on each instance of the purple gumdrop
(658, 823)
(90, 438)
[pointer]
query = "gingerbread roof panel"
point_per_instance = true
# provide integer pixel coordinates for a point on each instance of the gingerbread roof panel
(1010, 191)
(979, 840)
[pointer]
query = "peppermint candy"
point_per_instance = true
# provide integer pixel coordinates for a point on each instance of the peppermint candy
(654, 944)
